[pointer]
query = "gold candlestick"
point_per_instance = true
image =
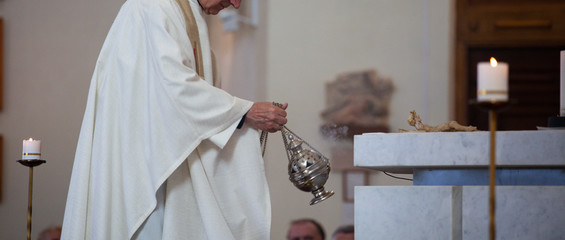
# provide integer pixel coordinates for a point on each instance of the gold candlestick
(492, 175)
(492, 107)
(30, 163)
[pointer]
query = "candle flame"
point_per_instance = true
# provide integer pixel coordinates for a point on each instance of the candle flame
(30, 139)
(493, 62)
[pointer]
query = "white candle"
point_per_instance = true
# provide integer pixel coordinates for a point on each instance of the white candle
(31, 149)
(492, 81)
(562, 105)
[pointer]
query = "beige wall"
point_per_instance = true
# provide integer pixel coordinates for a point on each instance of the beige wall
(51, 48)
(50, 51)
(310, 42)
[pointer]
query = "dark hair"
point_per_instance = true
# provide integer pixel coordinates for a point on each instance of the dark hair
(309, 220)
(344, 229)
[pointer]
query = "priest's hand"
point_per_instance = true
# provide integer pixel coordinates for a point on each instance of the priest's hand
(266, 116)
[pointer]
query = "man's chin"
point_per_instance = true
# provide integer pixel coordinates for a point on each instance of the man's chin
(213, 11)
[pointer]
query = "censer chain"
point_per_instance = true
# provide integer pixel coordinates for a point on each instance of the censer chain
(263, 141)
(265, 134)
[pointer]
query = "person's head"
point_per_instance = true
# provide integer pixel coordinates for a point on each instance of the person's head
(305, 229)
(346, 232)
(51, 233)
(215, 6)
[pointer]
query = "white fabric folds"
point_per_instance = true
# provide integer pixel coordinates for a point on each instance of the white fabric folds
(149, 115)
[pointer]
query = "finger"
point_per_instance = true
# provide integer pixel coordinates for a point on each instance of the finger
(277, 117)
(272, 126)
(279, 111)
(281, 121)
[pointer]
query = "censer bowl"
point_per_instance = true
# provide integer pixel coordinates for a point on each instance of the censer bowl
(309, 172)
(308, 169)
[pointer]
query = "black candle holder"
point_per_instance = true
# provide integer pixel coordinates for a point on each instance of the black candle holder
(556, 122)
(30, 163)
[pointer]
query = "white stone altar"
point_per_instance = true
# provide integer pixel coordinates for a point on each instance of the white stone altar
(449, 199)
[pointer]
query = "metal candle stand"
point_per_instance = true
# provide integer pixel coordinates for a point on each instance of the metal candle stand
(556, 122)
(492, 107)
(30, 163)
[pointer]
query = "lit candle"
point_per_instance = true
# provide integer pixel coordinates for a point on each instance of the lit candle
(31, 149)
(562, 105)
(492, 83)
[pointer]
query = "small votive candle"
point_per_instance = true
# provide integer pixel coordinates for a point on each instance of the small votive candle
(31, 149)
(492, 81)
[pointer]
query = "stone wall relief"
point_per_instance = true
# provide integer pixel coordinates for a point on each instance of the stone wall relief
(356, 102)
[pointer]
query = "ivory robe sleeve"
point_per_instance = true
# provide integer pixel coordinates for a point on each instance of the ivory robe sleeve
(147, 111)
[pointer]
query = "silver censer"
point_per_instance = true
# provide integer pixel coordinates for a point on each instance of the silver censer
(308, 169)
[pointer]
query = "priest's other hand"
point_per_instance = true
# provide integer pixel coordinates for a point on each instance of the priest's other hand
(266, 116)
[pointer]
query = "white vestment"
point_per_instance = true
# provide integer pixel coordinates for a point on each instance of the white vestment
(152, 125)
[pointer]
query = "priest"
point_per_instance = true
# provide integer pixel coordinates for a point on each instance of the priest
(162, 153)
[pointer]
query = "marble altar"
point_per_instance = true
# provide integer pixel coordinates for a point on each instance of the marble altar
(403, 152)
(449, 198)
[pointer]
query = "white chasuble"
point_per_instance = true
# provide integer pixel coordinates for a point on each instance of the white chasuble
(158, 140)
